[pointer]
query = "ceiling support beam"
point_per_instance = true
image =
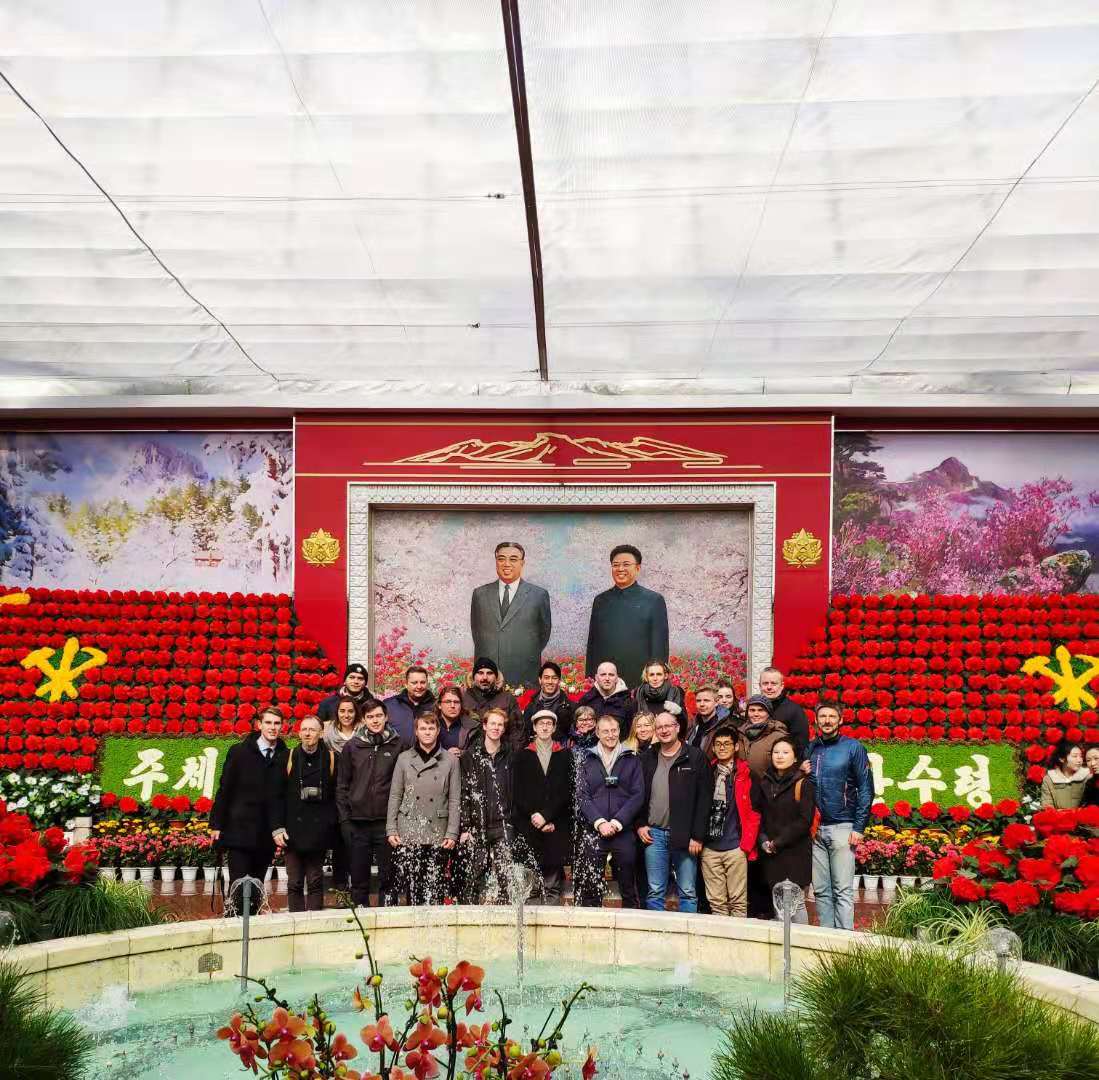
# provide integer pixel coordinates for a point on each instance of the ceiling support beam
(513, 40)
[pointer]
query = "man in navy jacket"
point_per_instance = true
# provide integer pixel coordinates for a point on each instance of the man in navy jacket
(840, 769)
(610, 792)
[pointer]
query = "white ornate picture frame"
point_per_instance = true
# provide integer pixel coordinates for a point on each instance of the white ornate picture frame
(758, 499)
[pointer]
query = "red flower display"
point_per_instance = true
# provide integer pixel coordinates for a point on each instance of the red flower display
(172, 659)
(954, 667)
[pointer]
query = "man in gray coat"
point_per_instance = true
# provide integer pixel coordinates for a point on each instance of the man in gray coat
(510, 618)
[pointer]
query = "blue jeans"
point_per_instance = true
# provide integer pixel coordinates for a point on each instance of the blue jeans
(834, 876)
(660, 858)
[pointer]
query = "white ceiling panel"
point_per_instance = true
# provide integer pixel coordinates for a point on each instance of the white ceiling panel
(289, 203)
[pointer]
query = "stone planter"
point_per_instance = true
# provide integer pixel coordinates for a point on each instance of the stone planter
(146, 874)
(108, 873)
(190, 874)
(889, 883)
(167, 874)
(129, 873)
(907, 881)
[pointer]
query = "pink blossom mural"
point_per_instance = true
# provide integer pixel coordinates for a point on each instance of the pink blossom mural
(947, 512)
(427, 562)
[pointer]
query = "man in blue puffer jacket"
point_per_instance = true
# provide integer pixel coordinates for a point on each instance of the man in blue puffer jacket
(845, 789)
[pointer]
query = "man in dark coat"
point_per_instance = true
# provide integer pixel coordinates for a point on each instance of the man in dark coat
(629, 623)
(303, 817)
(354, 687)
(509, 618)
(254, 775)
(550, 696)
(363, 780)
(788, 713)
(609, 697)
(542, 802)
(414, 701)
(486, 691)
(610, 791)
(679, 788)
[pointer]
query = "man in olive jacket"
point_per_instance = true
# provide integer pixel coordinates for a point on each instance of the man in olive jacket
(252, 780)
(363, 781)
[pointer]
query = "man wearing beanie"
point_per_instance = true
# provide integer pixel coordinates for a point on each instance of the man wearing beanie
(486, 691)
(354, 687)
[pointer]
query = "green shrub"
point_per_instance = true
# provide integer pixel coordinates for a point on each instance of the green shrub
(36, 1041)
(97, 908)
(1062, 941)
(896, 1013)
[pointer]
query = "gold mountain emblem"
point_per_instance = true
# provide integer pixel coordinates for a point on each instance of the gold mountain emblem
(549, 449)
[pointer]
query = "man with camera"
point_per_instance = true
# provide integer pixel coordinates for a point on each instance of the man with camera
(303, 816)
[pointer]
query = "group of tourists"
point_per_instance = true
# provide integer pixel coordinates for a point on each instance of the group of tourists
(445, 793)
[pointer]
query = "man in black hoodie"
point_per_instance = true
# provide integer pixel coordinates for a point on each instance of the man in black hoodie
(785, 711)
(354, 687)
(253, 780)
(363, 779)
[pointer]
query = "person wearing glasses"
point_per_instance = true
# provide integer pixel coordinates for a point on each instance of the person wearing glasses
(509, 619)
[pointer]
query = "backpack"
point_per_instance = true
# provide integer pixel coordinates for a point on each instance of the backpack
(814, 825)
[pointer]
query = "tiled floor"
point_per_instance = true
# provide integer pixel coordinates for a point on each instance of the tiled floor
(195, 901)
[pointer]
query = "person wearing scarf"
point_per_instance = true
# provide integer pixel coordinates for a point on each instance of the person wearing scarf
(550, 696)
(731, 841)
(354, 686)
(304, 816)
(758, 735)
(543, 803)
(789, 803)
(656, 689)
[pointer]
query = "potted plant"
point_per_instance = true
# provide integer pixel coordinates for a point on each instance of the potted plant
(192, 851)
(151, 855)
(131, 853)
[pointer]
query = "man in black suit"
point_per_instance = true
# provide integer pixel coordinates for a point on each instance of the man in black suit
(629, 623)
(253, 780)
(510, 618)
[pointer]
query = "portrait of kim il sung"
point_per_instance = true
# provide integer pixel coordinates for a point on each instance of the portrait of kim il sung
(510, 619)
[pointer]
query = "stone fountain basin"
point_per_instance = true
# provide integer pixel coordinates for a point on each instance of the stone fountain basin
(76, 971)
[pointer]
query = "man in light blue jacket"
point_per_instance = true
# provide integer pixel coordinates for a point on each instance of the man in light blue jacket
(840, 769)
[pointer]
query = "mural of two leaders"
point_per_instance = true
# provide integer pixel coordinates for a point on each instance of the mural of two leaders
(510, 619)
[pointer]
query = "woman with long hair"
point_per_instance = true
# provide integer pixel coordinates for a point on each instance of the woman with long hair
(656, 688)
(789, 801)
(337, 734)
(1066, 777)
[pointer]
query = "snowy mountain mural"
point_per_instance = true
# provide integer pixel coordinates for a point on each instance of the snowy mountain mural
(122, 510)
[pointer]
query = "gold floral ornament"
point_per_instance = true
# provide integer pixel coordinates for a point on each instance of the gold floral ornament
(320, 548)
(62, 667)
(1071, 678)
(802, 549)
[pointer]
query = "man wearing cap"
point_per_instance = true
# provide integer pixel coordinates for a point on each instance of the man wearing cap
(509, 618)
(353, 686)
(759, 732)
(486, 690)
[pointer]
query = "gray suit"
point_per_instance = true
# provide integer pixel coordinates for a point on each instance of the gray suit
(515, 641)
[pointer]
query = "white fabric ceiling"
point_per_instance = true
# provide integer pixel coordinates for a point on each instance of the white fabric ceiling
(761, 202)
